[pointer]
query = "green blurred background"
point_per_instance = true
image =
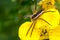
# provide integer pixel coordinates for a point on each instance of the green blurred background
(12, 14)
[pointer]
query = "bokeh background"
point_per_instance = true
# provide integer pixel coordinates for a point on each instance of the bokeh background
(12, 14)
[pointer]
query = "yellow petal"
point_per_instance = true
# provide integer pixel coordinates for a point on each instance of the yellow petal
(51, 17)
(54, 30)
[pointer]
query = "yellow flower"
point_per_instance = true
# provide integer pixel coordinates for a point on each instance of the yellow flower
(52, 17)
(46, 2)
(49, 20)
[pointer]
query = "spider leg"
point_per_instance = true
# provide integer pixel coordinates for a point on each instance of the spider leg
(29, 29)
(45, 21)
(33, 28)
